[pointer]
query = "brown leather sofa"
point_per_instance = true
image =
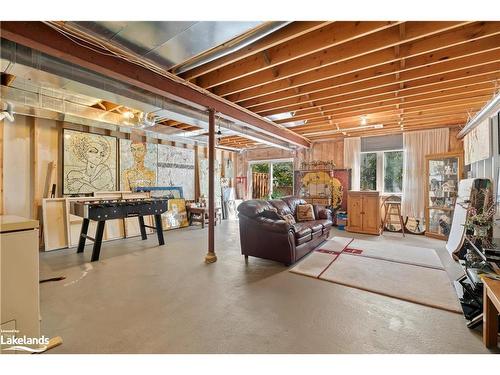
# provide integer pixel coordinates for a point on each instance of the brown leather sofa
(264, 234)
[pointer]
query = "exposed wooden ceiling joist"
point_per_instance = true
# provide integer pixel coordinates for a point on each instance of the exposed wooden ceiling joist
(386, 84)
(308, 44)
(453, 57)
(356, 48)
(371, 103)
(294, 30)
(407, 108)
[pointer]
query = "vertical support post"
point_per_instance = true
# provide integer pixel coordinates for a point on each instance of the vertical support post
(211, 257)
(1, 166)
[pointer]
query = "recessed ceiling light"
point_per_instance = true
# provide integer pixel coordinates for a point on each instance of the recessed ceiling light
(128, 114)
(364, 120)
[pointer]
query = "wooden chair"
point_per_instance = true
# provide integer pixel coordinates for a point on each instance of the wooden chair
(392, 207)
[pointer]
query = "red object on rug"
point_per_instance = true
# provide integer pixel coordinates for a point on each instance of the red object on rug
(353, 251)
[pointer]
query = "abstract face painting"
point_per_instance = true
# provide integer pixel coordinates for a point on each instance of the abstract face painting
(138, 161)
(89, 162)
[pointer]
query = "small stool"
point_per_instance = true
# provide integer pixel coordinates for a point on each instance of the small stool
(392, 207)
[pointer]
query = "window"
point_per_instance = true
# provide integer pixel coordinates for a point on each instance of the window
(382, 171)
(393, 172)
(368, 173)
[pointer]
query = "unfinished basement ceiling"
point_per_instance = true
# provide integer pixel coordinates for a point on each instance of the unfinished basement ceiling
(326, 79)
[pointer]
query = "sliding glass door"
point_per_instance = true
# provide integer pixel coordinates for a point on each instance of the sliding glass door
(272, 179)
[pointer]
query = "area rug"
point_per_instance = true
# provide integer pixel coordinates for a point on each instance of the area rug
(319, 260)
(417, 284)
(407, 273)
(393, 251)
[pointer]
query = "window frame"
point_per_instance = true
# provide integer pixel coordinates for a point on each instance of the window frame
(380, 172)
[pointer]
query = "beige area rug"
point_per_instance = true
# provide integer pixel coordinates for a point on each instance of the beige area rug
(393, 251)
(319, 260)
(408, 273)
(337, 244)
(417, 284)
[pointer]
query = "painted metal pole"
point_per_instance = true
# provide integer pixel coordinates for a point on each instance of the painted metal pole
(211, 257)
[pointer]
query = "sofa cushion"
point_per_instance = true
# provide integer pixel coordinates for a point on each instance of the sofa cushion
(302, 240)
(327, 224)
(253, 208)
(281, 207)
(305, 212)
(301, 230)
(292, 203)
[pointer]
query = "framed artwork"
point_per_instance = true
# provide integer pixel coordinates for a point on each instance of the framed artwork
(203, 176)
(477, 143)
(176, 168)
(89, 162)
(176, 215)
(138, 164)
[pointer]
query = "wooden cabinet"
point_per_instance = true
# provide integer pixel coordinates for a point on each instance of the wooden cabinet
(363, 209)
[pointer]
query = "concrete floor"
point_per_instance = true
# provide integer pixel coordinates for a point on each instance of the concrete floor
(141, 298)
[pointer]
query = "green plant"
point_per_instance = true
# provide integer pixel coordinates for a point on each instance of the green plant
(479, 221)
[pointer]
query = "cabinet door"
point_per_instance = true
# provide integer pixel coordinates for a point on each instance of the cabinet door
(354, 209)
(371, 214)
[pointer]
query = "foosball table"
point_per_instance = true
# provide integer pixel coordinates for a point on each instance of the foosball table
(102, 210)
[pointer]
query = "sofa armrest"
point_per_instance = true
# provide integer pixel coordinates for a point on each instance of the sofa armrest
(321, 212)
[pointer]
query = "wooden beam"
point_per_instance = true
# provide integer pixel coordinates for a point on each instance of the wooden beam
(383, 83)
(294, 30)
(354, 49)
(41, 37)
(385, 78)
(453, 100)
(394, 91)
(1, 165)
(313, 42)
(211, 257)
(453, 58)
(452, 121)
(392, 98)
(394, 114)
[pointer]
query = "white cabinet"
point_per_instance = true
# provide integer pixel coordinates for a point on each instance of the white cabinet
(19, 277)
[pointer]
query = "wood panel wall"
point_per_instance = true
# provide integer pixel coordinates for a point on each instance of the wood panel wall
(455, 143)
(27, 148)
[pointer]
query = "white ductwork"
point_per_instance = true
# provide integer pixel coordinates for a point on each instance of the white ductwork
(32, 66)
(490, 108)
(229, 47)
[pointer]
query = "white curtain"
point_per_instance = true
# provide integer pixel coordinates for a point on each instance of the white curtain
(416, 146)
(352, 150)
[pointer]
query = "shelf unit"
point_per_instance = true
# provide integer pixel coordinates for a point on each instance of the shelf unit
(443, 173)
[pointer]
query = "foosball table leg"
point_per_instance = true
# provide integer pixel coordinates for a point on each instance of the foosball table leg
(98, 240)
(83, 235)
(159, 230)
(142, 227)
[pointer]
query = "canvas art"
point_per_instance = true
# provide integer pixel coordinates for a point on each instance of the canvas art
(328, 184)
(176, 168)
(89, 162)
(176, 215)
(203, 173)
(138, 164)
(477, 143)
